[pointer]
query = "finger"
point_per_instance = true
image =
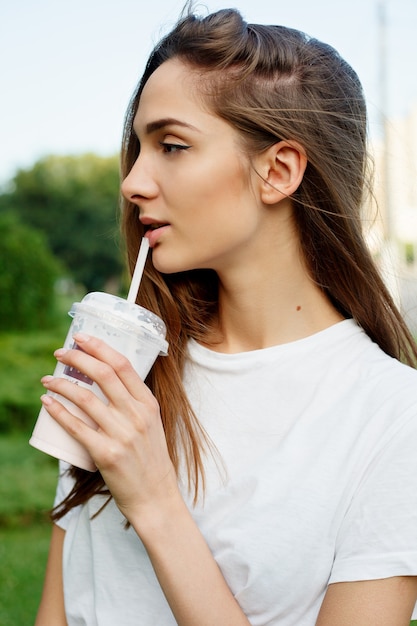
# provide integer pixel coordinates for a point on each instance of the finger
(99, 444)
(88, 369)
(82, 432)
(84, 405)
(105, 353)
(126, 409)
(116, 377)
(82, 398)
(118, 423)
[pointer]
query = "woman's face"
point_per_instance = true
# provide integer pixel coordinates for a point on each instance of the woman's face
(191, 181)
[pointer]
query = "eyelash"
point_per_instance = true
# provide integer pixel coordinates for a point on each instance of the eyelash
(177, 147)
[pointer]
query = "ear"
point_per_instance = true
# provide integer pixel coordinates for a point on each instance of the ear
(281, 168)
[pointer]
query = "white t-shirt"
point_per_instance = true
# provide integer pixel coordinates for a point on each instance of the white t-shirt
(317, 484)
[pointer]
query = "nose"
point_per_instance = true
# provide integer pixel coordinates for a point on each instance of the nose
(139, 184)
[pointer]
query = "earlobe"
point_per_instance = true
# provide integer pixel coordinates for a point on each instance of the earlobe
(284, 164)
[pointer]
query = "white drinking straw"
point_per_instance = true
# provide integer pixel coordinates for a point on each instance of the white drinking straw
(138, 271)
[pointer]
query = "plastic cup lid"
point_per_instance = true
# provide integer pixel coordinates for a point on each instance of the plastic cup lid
(127, 316)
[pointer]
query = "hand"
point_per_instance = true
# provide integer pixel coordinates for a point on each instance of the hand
(129, 447)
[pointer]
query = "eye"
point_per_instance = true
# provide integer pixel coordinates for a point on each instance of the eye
(171, 148)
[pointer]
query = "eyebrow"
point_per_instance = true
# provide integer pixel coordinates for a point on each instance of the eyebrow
(167, 121)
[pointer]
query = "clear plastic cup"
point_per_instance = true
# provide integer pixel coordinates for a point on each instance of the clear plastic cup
(130, 329)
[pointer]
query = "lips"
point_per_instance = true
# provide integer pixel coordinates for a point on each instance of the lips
(154, 231)
(151, 224)
(156, 226)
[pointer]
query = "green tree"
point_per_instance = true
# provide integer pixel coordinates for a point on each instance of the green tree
(28, 272)
(74, 201)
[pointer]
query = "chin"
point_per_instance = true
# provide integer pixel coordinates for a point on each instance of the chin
(173, 262)
(169, 266)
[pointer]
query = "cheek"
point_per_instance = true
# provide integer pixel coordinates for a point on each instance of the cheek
(223, 184)
(211, 191)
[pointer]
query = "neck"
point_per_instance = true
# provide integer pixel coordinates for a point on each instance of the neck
(271, 300)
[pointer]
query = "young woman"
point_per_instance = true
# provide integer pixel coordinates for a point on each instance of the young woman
(266, 473)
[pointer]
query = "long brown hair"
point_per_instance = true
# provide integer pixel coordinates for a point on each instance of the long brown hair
(281, 84)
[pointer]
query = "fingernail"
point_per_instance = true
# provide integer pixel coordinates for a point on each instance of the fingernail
(46, 400)
(59, 353)
(46, 379)
(80, 337)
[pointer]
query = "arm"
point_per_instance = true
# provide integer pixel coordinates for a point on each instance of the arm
(131, 453)
(187, 572)
(51, 609)
(385, 602)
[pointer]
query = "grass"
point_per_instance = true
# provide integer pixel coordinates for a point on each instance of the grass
(27, 487)
(22, 566)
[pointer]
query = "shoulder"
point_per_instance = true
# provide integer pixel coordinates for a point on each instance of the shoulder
(375, 376)
(388, 383)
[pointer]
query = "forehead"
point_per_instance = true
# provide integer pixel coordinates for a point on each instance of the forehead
(170, 90)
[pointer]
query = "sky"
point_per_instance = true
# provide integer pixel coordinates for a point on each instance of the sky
(69, 67)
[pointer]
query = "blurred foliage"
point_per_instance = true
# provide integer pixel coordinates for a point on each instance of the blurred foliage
(25, 358)
(28, 272)
(74, 201)
(27, 482)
